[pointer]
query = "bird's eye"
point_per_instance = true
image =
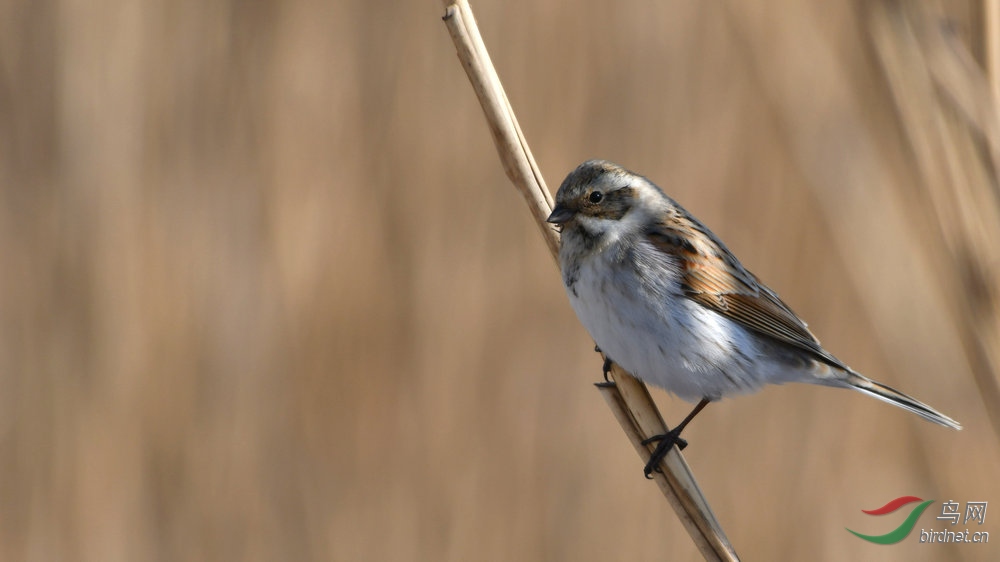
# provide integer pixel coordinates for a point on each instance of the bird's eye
(596, 196)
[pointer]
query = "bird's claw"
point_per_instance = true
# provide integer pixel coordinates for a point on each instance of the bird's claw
(666, 442)
(680, 442)
(606, 367)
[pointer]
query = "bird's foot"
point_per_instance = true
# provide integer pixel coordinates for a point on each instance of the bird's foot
(666, 442)
(606, 367)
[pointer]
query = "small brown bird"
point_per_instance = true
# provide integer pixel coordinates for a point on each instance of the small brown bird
(665, 299)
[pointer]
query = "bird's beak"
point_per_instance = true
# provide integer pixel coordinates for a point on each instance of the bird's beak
(561, 214)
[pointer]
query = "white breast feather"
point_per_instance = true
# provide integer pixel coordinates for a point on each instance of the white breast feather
(636, 312)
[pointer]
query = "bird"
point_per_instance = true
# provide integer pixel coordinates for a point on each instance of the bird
(665, 299)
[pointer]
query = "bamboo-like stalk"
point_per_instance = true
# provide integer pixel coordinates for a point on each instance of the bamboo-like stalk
(627, 397)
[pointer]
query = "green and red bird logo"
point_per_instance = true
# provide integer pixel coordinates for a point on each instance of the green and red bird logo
(904, 529)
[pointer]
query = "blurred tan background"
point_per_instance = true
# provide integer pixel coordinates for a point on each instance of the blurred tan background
(266, 294)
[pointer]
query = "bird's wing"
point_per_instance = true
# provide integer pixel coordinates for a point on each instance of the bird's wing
(714, 278)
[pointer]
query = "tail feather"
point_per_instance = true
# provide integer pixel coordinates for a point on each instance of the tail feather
(897, 398)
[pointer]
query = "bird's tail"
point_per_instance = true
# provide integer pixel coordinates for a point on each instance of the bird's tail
(896, 398)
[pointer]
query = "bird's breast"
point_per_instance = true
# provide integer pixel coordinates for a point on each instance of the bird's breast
(630, 300)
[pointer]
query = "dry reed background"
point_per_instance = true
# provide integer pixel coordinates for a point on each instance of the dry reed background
(267, 295)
